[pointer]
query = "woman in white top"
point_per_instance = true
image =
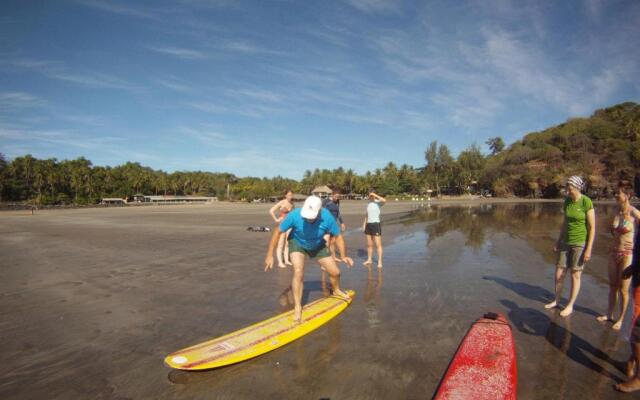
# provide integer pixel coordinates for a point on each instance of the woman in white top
(372, 228)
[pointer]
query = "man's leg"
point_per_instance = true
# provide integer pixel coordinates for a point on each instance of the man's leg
(297, 283)
(633, 384)
(369, 250)
(378, 240)
(329, 265)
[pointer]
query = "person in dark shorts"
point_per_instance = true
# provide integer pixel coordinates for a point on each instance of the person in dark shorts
(333, 205)
(308, 226)
(574, 243)
(372, 228)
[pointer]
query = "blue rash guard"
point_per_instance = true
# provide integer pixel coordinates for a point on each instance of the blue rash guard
(309, 235)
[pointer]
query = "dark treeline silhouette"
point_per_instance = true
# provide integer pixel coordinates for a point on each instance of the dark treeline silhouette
(603, 148)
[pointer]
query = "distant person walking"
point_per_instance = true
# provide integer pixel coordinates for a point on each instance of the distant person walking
(332, 204)
(308, 226)
(633, 364)
(283, 208)
(623, 228)
(575, 241)
(372, 227)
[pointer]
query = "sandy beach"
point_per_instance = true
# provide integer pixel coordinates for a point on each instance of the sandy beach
(93, 299)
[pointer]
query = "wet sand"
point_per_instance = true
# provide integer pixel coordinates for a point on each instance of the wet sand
(92, 300)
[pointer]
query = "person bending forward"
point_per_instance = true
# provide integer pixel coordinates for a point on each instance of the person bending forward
(308, 226)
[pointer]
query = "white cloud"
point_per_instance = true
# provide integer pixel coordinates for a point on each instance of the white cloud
(376, 6)
(119, 9)
(185, 54)
(57, 70)
(16, 100)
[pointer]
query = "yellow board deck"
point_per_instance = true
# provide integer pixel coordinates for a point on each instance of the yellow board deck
(259, 338)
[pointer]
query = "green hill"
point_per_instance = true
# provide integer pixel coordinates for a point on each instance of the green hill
(604, 149)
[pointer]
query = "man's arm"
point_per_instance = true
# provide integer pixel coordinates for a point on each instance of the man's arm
(342, 248)
(268, 261)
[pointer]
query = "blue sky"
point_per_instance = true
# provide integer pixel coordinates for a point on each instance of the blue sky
(267, 88)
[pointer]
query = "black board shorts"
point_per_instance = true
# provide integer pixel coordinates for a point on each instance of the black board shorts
(373, 229)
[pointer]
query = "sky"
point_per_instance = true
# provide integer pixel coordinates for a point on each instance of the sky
(266, 88)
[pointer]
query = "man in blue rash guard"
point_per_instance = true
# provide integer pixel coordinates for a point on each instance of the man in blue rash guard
(308, 226)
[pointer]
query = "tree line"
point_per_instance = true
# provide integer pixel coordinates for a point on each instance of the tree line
(603, 148)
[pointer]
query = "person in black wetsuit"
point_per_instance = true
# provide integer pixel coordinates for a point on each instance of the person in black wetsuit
(332, 204)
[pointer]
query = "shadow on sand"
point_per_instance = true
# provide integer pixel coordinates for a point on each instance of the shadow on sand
(534, 322)
(535, 293)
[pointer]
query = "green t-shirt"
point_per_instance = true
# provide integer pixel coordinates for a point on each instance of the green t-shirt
(575, 213)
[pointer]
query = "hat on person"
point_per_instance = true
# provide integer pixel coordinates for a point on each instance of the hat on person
(576, 181)
(311, 207)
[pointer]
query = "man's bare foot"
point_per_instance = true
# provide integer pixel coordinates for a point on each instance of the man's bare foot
(566, 312)
(379, 265)
(281, 265)
(368, 262)
(617, 325)
(551, 305)
(336, 259)
(287, 262)
(630, 367)
(340, 293)
(629, 386)
(604, 318)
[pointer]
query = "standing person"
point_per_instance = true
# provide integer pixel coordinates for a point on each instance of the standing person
(283, 207)
(308, 226)
(621, 253)
(333, 205)
(372, 228)
(575, 241)
(633, 371)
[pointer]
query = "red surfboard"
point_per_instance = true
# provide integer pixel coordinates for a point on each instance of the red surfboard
(484, 366)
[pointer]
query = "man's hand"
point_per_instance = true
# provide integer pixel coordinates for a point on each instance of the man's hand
(346, 260)
(268, 263)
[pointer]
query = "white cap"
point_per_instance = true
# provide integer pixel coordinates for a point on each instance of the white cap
(311, 207)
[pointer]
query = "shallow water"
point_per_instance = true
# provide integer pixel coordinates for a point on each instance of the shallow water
(444, 267)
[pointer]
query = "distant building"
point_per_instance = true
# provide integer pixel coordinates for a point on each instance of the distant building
(113, 201)
(322, 191)
(179, 199)
(296, 197)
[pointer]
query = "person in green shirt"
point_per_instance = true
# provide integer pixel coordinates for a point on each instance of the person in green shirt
(575, 241)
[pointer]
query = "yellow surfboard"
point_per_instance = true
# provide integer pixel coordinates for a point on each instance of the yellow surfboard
(259, 338)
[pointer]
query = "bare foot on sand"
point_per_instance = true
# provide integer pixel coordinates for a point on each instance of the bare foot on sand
(630, 368)
(379, 265)
(368, 262)
(617, 325)
(340, 293)
(566, 312)
(629, 386)
(287, 262)
(604, 318)
(281, 265)
(551, 305)
(297, 314)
